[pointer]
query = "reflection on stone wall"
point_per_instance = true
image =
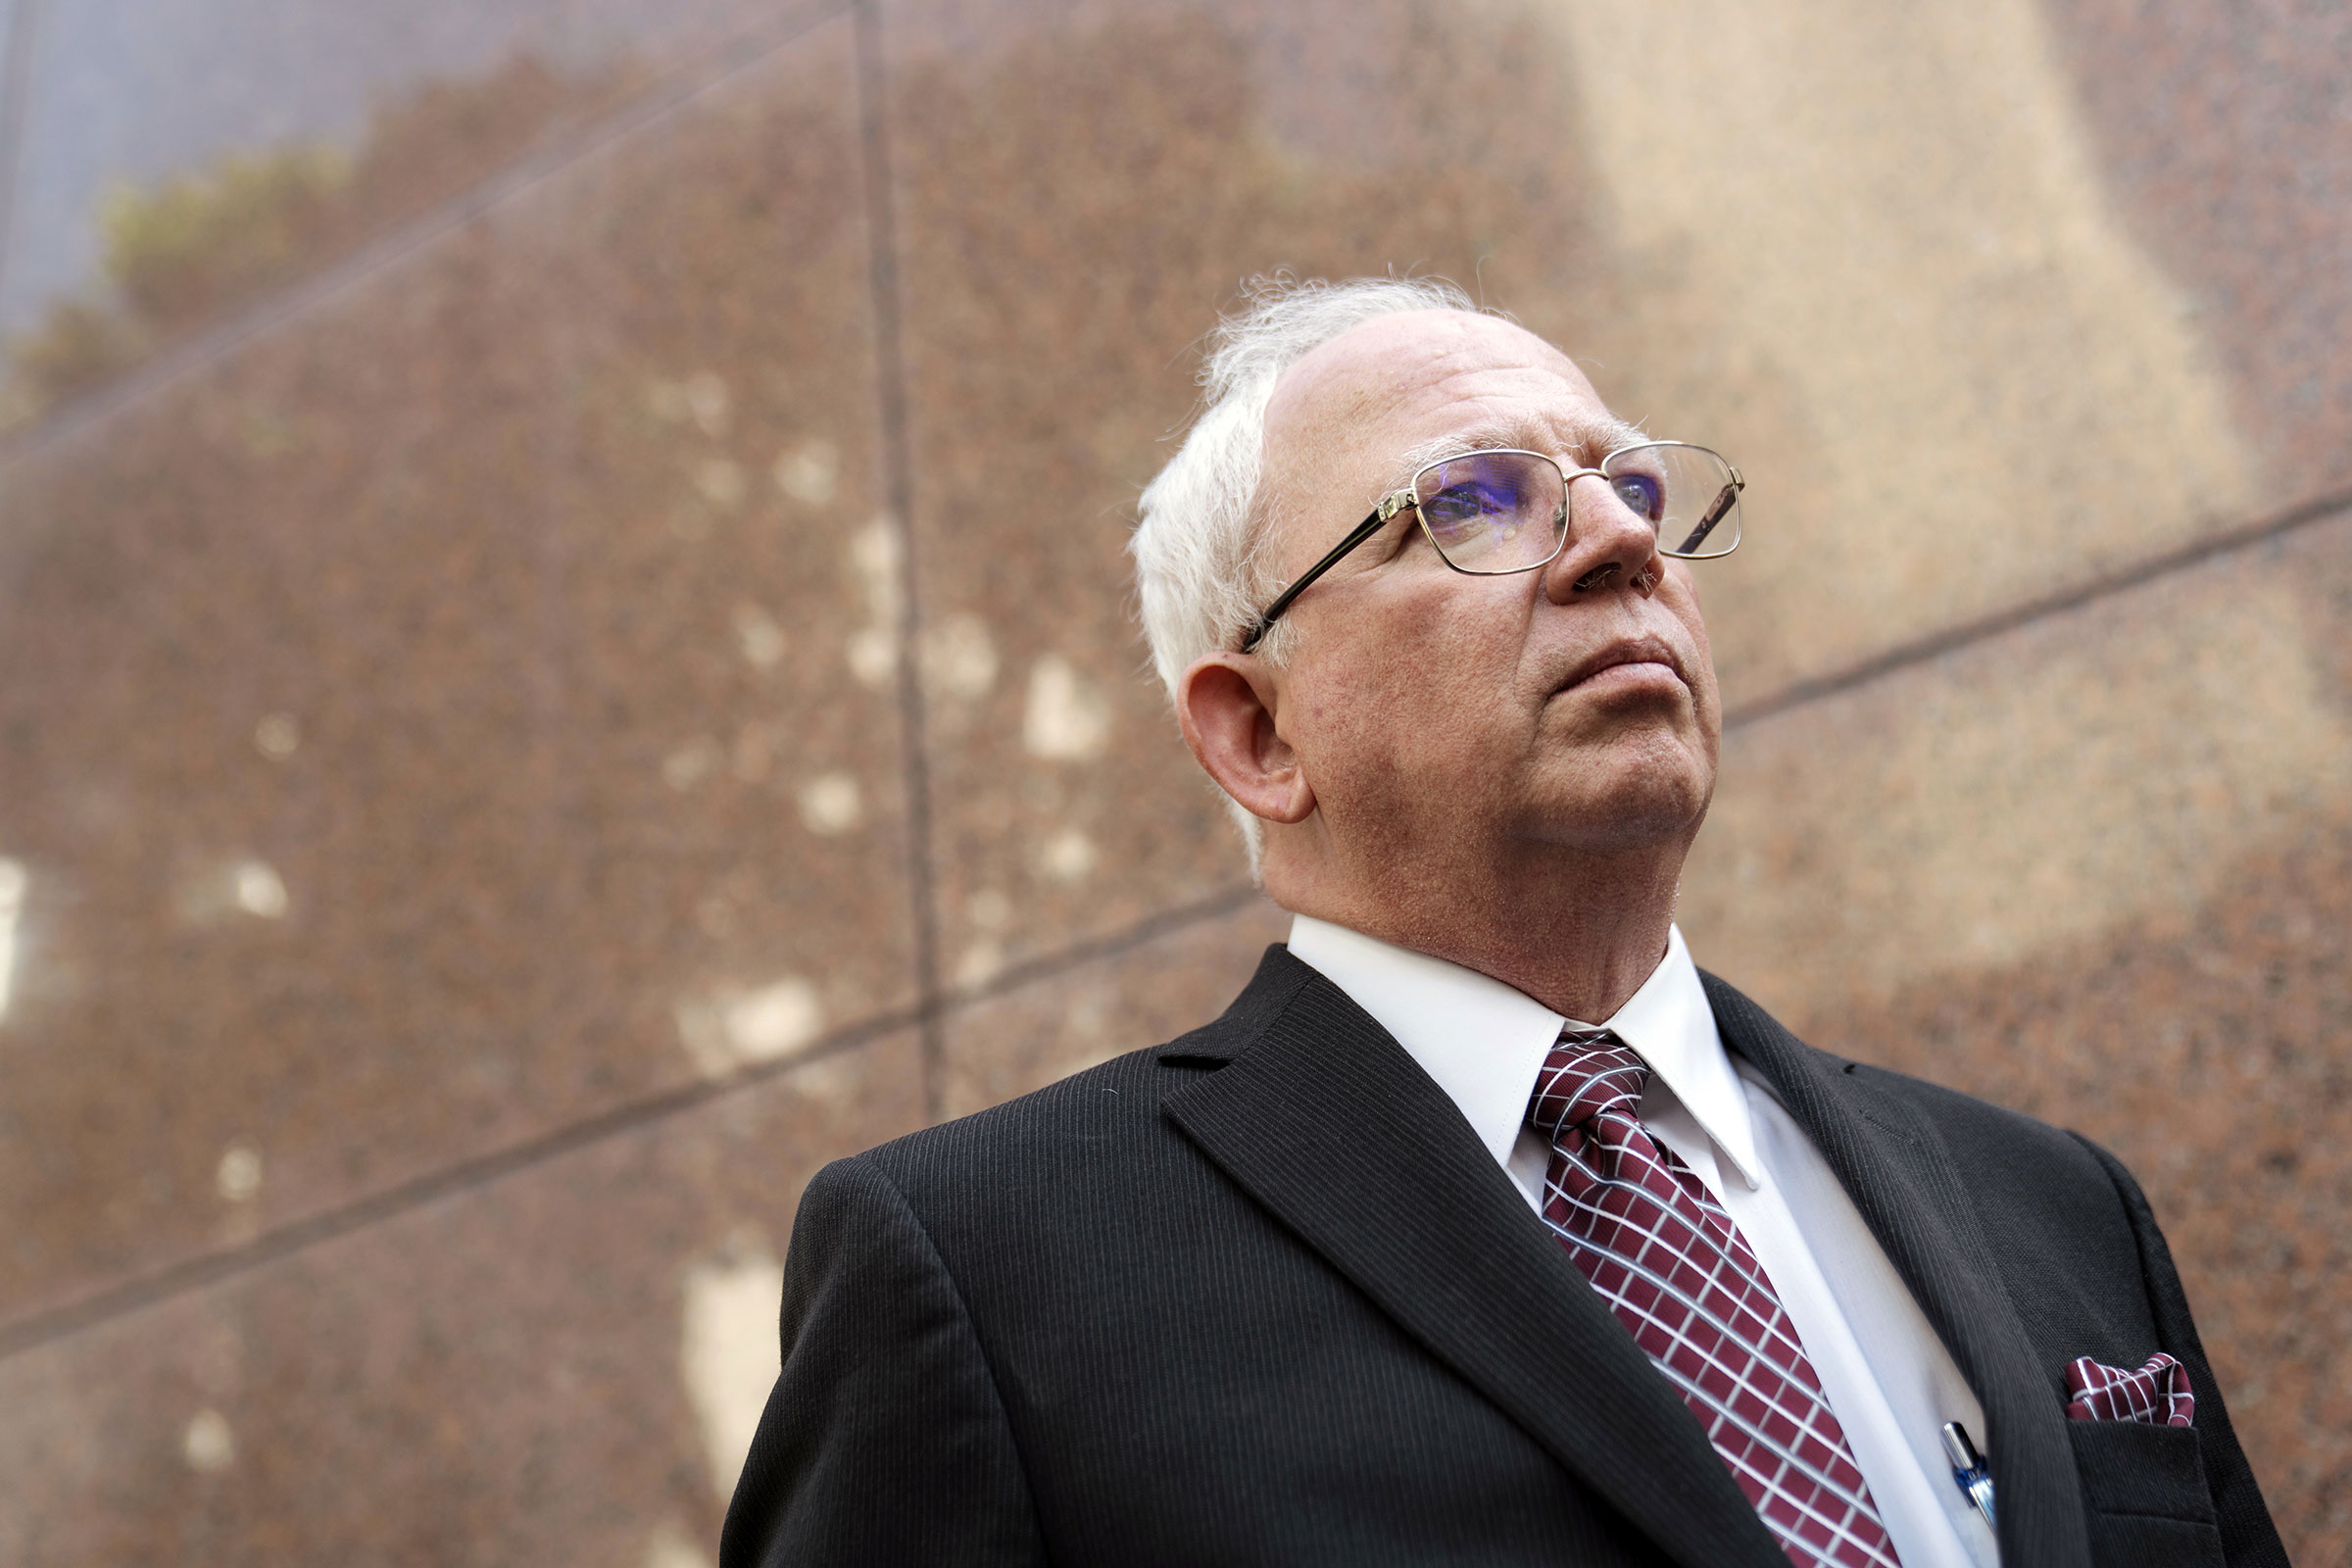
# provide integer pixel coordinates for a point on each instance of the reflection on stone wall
(201, 242)
(510, 761)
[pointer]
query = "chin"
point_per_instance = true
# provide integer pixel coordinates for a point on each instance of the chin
(1639, 805)
(1623, 832)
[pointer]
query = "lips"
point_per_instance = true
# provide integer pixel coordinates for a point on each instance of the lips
(1631, 651)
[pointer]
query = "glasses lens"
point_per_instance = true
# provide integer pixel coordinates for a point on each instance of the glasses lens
(1688, 493)
(1492, 511)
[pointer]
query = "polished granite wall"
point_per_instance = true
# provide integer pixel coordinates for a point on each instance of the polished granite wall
(564, 654)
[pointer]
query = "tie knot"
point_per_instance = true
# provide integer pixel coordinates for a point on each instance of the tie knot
(1588, 1071)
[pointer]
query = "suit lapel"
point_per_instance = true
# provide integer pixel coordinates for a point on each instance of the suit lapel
(1896, 1167)
(1325, 1120)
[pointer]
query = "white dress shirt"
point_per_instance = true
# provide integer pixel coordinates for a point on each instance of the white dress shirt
(1887, 1375)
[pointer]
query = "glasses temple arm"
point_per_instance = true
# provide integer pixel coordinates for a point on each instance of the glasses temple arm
(1706, 524)
(1362, 532)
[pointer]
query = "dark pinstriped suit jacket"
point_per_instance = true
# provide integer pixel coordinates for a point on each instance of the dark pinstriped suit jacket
(1261, 1297)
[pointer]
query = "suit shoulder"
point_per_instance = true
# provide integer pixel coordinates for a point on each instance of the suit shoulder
(1980, 1132)
(1078, 1120)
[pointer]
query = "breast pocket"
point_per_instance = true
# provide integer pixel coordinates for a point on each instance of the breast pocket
(2149, 1505)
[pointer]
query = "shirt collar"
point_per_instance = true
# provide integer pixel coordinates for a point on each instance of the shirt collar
(1670, 1025)
(1484, 1043)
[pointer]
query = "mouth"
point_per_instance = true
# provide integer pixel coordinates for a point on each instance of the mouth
(1635, 660)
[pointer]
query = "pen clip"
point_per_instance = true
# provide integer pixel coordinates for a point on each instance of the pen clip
(1969, 1470)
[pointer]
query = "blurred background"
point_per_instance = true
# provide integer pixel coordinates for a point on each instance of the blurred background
(566, 656)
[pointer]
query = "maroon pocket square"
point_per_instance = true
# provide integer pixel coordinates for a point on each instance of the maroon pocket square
(2157, 1393)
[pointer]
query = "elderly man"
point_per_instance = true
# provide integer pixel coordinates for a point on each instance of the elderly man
(1483, 1227)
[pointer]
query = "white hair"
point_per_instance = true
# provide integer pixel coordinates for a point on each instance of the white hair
(1199, 566)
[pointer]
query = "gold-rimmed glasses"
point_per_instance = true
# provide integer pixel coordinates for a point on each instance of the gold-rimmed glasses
(1496, 511)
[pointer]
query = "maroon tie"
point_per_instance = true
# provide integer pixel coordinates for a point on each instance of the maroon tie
(1681, 1278)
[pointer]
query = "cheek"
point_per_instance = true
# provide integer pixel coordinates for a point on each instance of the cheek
(1416, 697)
(1415, 669)
(1680, 594)
(1681, 598)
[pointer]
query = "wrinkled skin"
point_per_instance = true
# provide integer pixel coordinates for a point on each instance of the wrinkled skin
(1502, 771)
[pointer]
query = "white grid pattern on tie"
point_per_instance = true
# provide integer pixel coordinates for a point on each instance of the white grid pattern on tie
(1807, 1423)
(1748, 1279)
(1675, 1271)
(1743, 1459)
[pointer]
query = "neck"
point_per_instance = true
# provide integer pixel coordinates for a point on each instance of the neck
(1580, 931)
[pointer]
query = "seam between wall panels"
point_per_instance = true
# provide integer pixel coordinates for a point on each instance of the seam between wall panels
(203, 1269)
(897, 487)
(53, 1323)
(932, 1000)
(1984, 628)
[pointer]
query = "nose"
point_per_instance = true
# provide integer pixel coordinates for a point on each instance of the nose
(1610, 547)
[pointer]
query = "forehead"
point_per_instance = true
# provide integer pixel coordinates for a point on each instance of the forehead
(1398, 386)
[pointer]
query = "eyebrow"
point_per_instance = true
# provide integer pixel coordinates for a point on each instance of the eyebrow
(1603, 434)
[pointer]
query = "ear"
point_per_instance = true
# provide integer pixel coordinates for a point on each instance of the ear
(1227, 704)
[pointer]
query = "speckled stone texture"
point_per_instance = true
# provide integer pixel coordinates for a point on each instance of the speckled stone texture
(429, 725)
(562, 669)
(2226, 136)
(411, 104)
(563, 1366)
(2053, 413)
(2100, 869)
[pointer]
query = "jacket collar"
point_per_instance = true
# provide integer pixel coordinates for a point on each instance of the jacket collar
(1485, 1042)
(1894, 1165)
(1322, 1118)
